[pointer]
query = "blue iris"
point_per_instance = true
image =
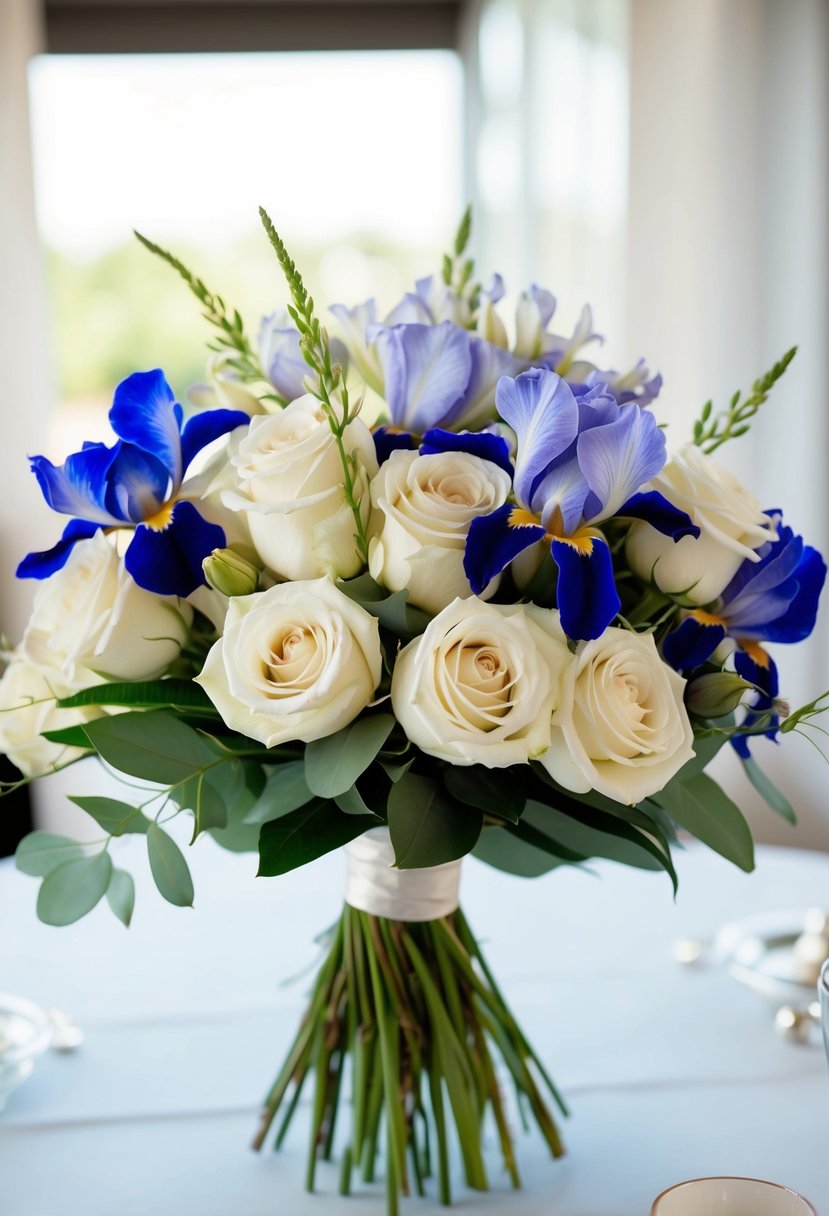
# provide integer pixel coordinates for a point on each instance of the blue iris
(581, 459)
(771, 599)
(134, 484)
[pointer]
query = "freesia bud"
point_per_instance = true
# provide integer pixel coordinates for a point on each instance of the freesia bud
(230, 572)
(716, 694)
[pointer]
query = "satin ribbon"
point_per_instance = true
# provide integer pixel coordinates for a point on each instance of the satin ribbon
(373, 885)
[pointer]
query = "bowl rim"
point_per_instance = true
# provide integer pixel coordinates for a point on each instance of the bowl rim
(779, 1186)
(41, 1025)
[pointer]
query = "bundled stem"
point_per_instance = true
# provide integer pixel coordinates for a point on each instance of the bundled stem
(415, 1011)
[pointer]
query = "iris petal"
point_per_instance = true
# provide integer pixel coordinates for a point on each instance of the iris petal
(619, 457)
(169, 561)
(765, 677)
(492, 543)
(488, 446)
(79, 486)
(691, 644)
(542, 411)
(655, 509)
(41, 565)
(144, 413)
(137, 484)
(426, 370)
(587, 596)
(202, 429)
(799, 619)
(387, 440)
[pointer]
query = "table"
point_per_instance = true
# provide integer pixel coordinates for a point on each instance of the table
(670, 1073)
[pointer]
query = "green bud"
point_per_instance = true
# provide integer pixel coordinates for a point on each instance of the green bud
(716, 694)
(231, 572)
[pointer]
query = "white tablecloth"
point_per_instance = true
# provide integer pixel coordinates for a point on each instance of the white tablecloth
(670, 1073)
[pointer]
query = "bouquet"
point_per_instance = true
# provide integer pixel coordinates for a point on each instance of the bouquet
(424, 589)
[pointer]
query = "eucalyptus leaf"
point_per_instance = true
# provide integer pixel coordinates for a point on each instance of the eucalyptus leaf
(241, 796)
(169, 869)
(531, 835)
(393, 611)
(198, 795)
(352, 802)
(706, 748)
(285, 790)
(501, 850)
(427, 826)
(700, 806)
(39, 853)
(306, 834)
(116, 818)
(333, 764)
(768, 791)
(69, 736)
(611, 840)
(153, 745)
(121, 895)
(73, 889)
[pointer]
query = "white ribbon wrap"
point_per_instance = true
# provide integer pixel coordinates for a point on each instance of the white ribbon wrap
(373, 885)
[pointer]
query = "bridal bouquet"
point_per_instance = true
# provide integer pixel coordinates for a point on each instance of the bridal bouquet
(425, 589)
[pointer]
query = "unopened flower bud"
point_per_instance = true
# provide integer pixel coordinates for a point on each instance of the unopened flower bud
(232, 572)
(716, 694)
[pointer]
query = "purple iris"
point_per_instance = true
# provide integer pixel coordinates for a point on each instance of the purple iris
(134, 484)
(774, 599)
(581, 459)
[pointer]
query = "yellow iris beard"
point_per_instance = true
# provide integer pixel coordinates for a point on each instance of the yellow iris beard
(757, 654)
(707, 618)
(162, 518)
(581, 540)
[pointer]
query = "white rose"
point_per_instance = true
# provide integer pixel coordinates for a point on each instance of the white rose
(225, 389)
(480, 685)
(731, 520)
(423, 506)
(27, 707)
(289, 480)
(298, 661)
(91, 619)
(620, 727)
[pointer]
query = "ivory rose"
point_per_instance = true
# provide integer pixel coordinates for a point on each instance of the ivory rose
(732, 522)
(289, 485)
(620, 726)
(298, 661)
(90, 619)
(27, 707)
(423, 506)
(481, 684)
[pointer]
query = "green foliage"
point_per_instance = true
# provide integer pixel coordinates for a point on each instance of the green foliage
(169, 869)
(496, 791)
(330, 388)
(155, 746)
(427, 826)
(609, 838)
(39, 853)
(245, 783)
(768, 791)
(393, 610)
(285, 790)
(303, 835)
(116, 818)
(700, 806)
(153, 694)
(231, 336)
(333, 764)
(121, 896)
(504, 851)
(712, 430)
(73, 889)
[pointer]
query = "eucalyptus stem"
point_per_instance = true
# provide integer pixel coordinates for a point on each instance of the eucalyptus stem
(412, 1013)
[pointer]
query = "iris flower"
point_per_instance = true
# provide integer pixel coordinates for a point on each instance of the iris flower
(581, 459)
(772, 600)
(135, 484)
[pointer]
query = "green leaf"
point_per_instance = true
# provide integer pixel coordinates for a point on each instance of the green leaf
(238, 836)
(393, 611)
(334, 763)
(395, 770)
(304, 835)
(153, 745)
(151, 694)
(117, 818)
(768, 791)
(169, 869)
(427, 827)
(286, 790)
(352, 802)
(69, 736)
(611, 839)
(73, 889)
(706, 748)
(200, 796)
(121, 895)
(529, 834)
(495, 791)
(700, 806)
(40, 853)
(503, 851)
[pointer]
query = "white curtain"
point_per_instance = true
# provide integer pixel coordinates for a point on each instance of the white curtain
(24, 353)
